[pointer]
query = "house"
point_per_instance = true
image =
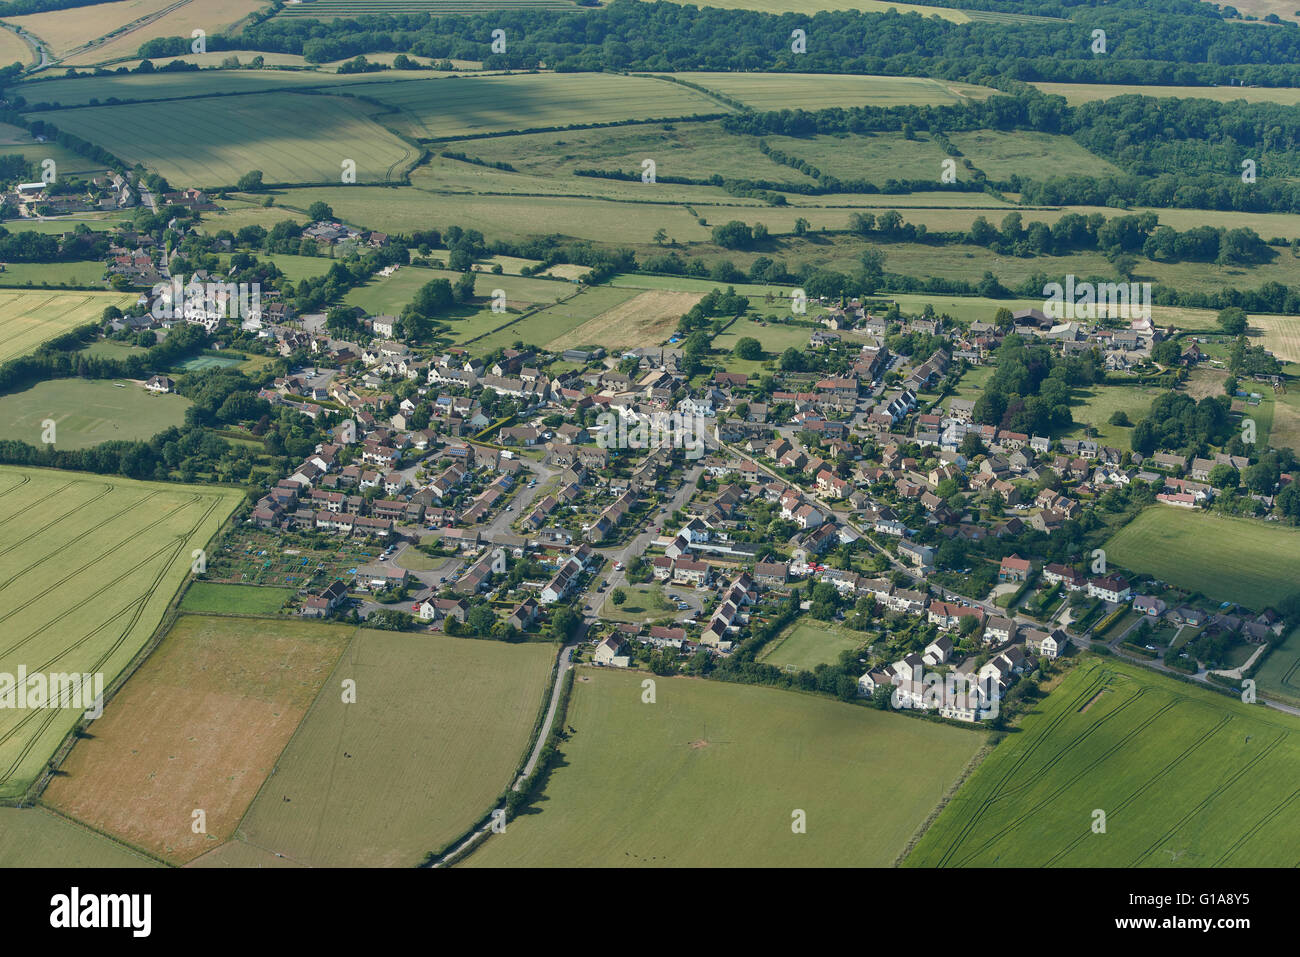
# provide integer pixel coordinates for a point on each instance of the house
(1111, 588)
(1071, 578)
(938, 651)
(998, 629)
(1014, 569)
(325, 601)
(524, 615)
(1149, 606)
(772, 573)
(160, 384)
(1044, 644)
(607, 652)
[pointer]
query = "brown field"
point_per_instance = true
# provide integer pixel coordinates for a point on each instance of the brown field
(1077, 93)
(1281, 335)
(200, 725)
(65, 30)
(212, 16)
(646, 319)
(1205, 383)
(14, 49)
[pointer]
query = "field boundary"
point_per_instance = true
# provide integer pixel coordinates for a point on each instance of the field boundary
(971, 767)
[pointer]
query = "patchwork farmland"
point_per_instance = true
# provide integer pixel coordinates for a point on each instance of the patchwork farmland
(87, 567)
(720, 768)
(1186, 777)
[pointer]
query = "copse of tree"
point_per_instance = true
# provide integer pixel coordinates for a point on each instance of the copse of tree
(1232, 320)
(748, 348)
(1177, 421)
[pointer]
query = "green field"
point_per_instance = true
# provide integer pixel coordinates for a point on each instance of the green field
(36, 837)
(215, 598)
(809, 91)
(290, 137)
(719, 770)
(438, 727)
(87, 412)
(1227, 559)
(85, 273)
(808, 644)
(29, 318)
(1002, 155)
(87, 565)
(1186, 778)
(1279, 675)
(1097, 404)
(548, 324)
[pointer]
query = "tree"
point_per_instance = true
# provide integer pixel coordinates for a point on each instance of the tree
(319, 211)
(1224, 476)
(1120, 418)
(1232, 320)
(250, 182)
(749, 348)
(660, 237)
(618, 596)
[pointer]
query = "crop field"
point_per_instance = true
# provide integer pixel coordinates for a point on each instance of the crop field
(1286, 421)
(87, 567)
(290, 138)
(721, 769)
(438, 727)
(1076, 93)
(65, 30)
(647, 319)
(200, 725)
(444, 107)
(871, 157)
(29, 318)
(808, 644)
(390, 294)
(329, 9)
(1186, 778)
(1039, 155)
(867, 6)
(1226, 559)
(215, 598)
(1281, 336)
(13, 49)
(809, 91)
(546, 326)
(214, 16)
(87, 412)
(36, 837)
(1279, 675)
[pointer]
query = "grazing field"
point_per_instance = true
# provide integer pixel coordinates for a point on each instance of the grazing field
(809, 91)
(200, 725)
(87, 412)
(86, 272)
(1186, 778)
(437, 729)
(1002, 155)
(875, 158)
(215, 598)
(1281, 335)
(87, 566)
(1227, 559)
(1286, 421)
(443, 107)
(36, 837)
(388, 295)
(290, 137)
(214, 16)
(1279, 675)
(808, 644)
(720, 769)
(29, 318)
(1076, 93)
(646, 319)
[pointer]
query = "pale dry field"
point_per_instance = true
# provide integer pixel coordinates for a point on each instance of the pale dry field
(211, 16)
(65, 30)
(644, 320)
(1281, 335)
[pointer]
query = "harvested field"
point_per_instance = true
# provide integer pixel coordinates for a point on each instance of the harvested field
(646, 319)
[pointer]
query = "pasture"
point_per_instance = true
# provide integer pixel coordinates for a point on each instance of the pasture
(87, 567)
(200, 725)
(810, 91)
(215, 598)
(1186, 778)
(290, 137)
(809, 643)
(86, 272)
(87, 412)
(1041, 155)
(1094, 406)
(29, 318)
(449, 107)
(720, 770)
(37, 837)
(1224, 558)
(438, 727)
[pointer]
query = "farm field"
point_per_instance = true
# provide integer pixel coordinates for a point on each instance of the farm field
(1097, 404)
(79, 273)
(809, 91)
(442, 107)
(87, 567)
(200, 725)
(87, 412)
(1286, 421)
(1280, 335)
(438, 727)
(543, 327)
(214, 16)
(329, 9)
(1227, 559)
(1279, 675)
(1076, 93)
(875, 158)
(390, 294)
(37, 837)
(289, 138)
(1186, 777)
(29, 318)
(646, 319)
(14, 49)
(716, 759)
(810, 643)
(216, 598)
(1002, 155)
(65, 30)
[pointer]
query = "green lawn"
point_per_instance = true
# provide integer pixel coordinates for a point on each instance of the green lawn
(808, 644)
(1096, 405)
(216, 598)
(87, 412)
(1227, 559)
(1184, 776)
(720, 770)
(644, 603)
